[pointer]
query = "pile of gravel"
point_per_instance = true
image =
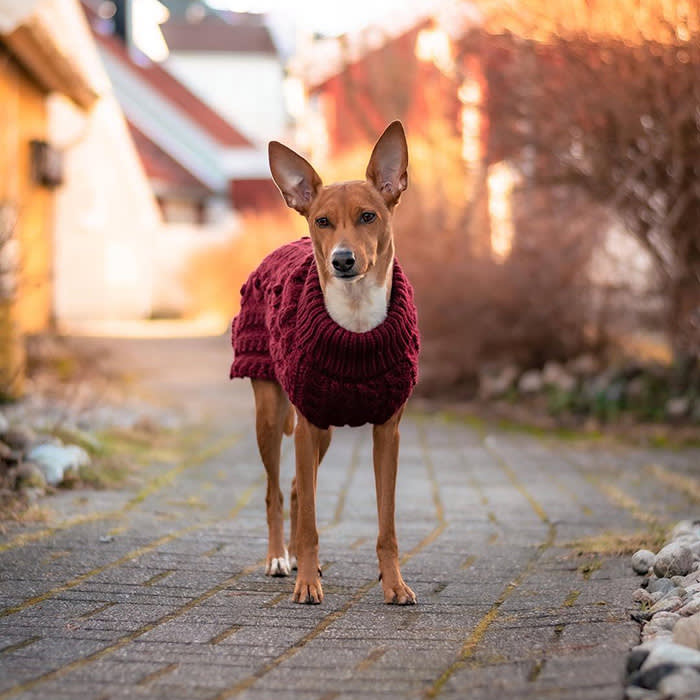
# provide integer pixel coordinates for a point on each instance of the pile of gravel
(666, 665)
(31, 461)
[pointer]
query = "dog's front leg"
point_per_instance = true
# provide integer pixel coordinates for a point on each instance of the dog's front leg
(386, 456)
(308, 440)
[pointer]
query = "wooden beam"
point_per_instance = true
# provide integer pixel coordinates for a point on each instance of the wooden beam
(35, 48)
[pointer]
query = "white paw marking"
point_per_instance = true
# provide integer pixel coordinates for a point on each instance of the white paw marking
(293, 562)
(278, 566)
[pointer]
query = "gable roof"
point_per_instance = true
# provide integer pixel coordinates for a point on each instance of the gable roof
(43, 37)
(162, 168)
(169, 87)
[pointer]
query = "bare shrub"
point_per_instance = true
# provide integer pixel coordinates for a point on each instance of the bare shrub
(532, 304)
(604, 97)
(213, 278)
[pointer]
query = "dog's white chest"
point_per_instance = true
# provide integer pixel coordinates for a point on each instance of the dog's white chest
(356, 306)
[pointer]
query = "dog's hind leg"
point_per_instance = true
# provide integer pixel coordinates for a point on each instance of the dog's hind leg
(271, 419)
(294, 501)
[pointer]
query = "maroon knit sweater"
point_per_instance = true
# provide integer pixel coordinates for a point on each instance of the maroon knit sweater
(333, 376)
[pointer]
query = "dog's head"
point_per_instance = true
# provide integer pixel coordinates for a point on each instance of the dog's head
(349, 222)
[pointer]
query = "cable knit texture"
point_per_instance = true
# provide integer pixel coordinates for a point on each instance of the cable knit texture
(333, 376)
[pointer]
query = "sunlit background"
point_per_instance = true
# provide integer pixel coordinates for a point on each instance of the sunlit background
(330, 18)
(553, 201)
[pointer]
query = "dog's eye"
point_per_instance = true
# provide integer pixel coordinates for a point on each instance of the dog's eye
(323, 222)
(367, 217)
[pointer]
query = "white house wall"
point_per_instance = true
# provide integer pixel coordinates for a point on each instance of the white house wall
(105, 215)
(245, 88)
(106, 218)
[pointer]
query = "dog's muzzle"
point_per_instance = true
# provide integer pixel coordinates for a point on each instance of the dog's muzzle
(343, 262)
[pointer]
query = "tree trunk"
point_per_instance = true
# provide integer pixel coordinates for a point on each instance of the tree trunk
(685, 315)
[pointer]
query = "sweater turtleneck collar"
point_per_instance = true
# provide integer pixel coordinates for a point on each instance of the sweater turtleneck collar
(349, 354)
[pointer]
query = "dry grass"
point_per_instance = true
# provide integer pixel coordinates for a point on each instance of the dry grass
(618, 543)
(688, 485)
(19, 509)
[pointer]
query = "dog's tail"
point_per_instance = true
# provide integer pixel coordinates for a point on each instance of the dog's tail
(289, 421)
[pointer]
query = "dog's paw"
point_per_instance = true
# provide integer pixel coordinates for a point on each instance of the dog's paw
(398, 594)
(293, 562)
(309, 592)
(278, 566)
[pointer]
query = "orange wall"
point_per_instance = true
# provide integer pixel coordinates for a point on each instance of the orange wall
(23, 117)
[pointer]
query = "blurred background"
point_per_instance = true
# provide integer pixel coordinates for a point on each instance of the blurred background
(552, 223)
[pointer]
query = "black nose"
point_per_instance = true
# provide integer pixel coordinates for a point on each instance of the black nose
(343, 260)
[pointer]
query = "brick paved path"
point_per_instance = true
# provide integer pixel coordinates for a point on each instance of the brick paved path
(175, 604)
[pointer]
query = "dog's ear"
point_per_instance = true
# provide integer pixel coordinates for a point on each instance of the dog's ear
(387, 169)
(296, 179)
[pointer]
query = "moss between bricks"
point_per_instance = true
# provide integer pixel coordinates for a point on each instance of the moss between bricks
(485, 418)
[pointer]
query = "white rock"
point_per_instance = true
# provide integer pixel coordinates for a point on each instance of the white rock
(641, 595)
(683, 683)
(656, 636)
(675, 559)
(681, 593)
(668, 603)
(688, 539)
(633, 692)
(531, 382)
(664, 620)
(689, 608)
(695, 548)
(686, 527)
(690, 580)
(670, 653)
(687, 631)
(642, 561)
(55, 460)
(678, 407)
(583, 365)
(553, 374)
(494, 384)
(649, 645)
(663, 585)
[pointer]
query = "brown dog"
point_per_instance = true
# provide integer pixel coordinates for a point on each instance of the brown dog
(353, 251)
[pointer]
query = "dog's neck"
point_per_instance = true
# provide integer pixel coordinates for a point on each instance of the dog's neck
(360, 305)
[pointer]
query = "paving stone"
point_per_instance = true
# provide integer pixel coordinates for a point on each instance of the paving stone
(177, 606)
